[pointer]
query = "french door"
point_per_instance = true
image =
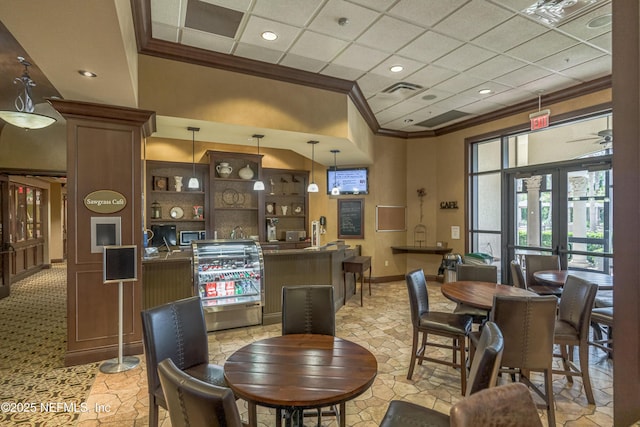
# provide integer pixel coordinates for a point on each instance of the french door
(563, 209)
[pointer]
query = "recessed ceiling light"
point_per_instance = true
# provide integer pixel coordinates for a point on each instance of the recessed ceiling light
(87, 73)
(396, 68)
(269, 35)
(600, 21)
(484, 91)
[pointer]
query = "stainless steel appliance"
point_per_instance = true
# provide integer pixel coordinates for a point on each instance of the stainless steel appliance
(227, 274)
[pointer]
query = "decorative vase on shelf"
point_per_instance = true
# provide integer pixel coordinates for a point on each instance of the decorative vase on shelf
(224, 170)
(178, 184)
(246, 172)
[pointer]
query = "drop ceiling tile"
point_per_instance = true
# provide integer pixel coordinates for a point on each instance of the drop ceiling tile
(515, 5)
(603, 42)
(549, 84)
(571, 57)
(431, 96)
(360, 57)
(379, 5)
(511, 33)
(431, 75)
(166, 12)
(317, 46)
(493, 86)
(165, 32)
(396, 111)
(590, 70)
(425, 12)
(293, 12)
(409, 67)
(258, 53)
(389, 34)
(455, 102)
(578, 27)
(374, 83)
(430, 46)
(207, 41)
(459, 83)
(481, 107)
(302, 63)
(522, 76)
(240, 5)
(326, 21)
(465, 57)
(473, 19)
(252, 33)
(381, 101)
(341, 72)
(494, 67)
(542, 46)
(512, 96)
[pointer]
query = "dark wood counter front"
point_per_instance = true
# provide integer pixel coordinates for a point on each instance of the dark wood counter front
(166, 277)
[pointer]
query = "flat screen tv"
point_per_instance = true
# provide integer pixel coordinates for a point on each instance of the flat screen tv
(348, 180)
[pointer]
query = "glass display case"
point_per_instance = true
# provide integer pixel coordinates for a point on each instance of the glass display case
(228, 277)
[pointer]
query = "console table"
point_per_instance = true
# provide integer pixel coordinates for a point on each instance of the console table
(357, 264)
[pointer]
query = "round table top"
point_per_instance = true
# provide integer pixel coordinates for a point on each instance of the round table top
(300, 370)
(479, 294)
(559, 277)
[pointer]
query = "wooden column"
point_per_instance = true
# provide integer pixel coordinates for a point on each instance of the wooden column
(104, 152)
(626, 205)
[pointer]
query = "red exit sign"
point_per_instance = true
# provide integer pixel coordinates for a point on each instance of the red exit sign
(539, 120)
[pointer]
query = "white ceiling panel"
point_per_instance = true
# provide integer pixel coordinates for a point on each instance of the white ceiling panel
(379, 5)
(571, 57)
(317, 46)
(494, 87)
(302, 63)
(292, 12)
(165, 32)
(465, 57)
(341, 72)
(166, 12)
(511, 33)
(258, 53)
(473, 19)
(373, 83)
(549, 84)
(208, 41)
(431, 75)
(389, 34)
(455, 102)
(515, 5)
(542, 46)
(425, 12)
(359, 18)
(495, 67)
(429, 47)
(256, 26)
(239, 5)
(512, 96)
(381, 101)
(481, 107)
(579, 27)
(430, 97)
(360, 57)
(593, 69)
(410, 67)
(459, 83)
(522, 76)
(603, 42)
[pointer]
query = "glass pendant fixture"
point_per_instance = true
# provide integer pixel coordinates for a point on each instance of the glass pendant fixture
(335, 191)
(193, 181)
(25, 117)
(313, 187)
(258, 185)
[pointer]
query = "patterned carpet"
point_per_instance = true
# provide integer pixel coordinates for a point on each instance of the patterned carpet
(36, 389)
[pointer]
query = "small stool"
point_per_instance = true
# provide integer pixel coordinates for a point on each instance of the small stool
(357, 264)
(602, 316)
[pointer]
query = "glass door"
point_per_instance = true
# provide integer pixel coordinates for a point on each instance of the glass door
(4, 238)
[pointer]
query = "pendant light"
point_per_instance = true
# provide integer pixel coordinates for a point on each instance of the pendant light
(258, 185)
(193, 181)
(335, 191)
(25, 117)
(313, 187)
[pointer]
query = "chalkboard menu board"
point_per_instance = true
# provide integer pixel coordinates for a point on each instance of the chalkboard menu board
(351, 219)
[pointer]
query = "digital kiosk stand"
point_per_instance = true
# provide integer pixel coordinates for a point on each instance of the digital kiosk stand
(120, 265)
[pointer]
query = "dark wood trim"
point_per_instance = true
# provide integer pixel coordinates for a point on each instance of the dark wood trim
(147, 45)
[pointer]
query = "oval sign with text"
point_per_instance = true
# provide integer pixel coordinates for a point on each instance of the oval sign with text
(105, 201)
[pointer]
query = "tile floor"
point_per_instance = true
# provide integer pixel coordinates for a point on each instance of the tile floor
(383, 326)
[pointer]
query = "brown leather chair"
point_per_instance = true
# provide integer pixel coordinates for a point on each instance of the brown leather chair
(527, 324)
(505, 405)
(308, 309)
(482, 273)
(602, 316)
(176, 331)
(535, 263)
(195, 403)
(572, 329)
(483, 374)
(517, 275)
(448, 325)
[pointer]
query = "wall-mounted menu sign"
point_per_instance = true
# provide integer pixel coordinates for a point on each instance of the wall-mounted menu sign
(350, 218)
(105, 201)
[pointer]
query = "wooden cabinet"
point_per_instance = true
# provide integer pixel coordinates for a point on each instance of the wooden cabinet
(286, 201)
(186, 208)
(236, 209)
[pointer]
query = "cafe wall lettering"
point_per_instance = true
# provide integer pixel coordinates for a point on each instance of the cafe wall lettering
(105, 201)
(449, 205)
(351, 219)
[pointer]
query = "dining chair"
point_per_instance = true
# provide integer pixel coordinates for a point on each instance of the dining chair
(483, 374)
(572, 329)
(448, 325)
(308, 309)
(176, 331)
(602, 316)
(533, 263)
(481, 273)
(195, 403)
(527, 325)
(517, 275)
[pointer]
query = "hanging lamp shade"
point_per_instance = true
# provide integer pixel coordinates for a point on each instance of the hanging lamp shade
(335, 191)
(313, 187)
(24, 116)
(258, 185)
(193, 183)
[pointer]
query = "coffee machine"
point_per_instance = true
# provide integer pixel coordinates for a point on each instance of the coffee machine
(271, 229)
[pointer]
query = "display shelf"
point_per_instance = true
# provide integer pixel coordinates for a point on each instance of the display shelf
(286, 189)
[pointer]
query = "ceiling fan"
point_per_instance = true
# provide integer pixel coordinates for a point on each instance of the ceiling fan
(603, 137)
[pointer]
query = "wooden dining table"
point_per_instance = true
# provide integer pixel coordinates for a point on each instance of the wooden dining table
(559, 277)
(300, 371)
(479, 294)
